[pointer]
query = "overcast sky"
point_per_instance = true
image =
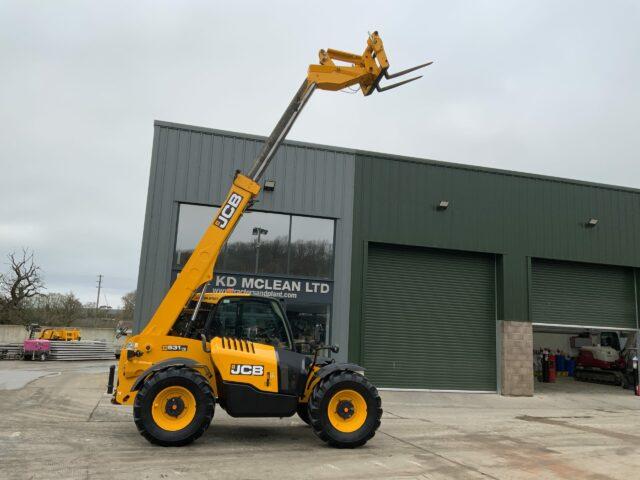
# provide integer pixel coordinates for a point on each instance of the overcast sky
(538, 86)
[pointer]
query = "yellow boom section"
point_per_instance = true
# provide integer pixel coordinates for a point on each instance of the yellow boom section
(199, 267)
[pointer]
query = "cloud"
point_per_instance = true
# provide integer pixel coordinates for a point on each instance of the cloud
(546, 87)
(19, 233)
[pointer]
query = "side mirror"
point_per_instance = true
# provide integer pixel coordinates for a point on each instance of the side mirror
(203, 337)
(332, 348)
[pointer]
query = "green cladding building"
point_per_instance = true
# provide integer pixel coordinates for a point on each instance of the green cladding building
(431, 275)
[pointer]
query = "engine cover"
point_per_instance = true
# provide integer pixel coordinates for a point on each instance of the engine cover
(242, 361)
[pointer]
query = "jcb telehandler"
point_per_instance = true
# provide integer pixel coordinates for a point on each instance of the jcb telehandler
(201, 348)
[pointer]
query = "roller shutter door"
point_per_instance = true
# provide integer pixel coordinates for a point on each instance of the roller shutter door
(568, 293)
(429, 319)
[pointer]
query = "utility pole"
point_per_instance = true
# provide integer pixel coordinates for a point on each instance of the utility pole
(99, 287)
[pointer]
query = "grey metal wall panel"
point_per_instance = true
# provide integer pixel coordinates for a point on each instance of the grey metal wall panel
(197, 165)
(568, 293)
(496, 211)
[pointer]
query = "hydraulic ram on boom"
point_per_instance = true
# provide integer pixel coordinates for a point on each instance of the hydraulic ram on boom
(184, 360)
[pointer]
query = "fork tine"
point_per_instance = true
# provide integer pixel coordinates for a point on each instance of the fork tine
(389, 76)
(389, 87)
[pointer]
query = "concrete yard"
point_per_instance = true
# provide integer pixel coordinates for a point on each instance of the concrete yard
(57, 423)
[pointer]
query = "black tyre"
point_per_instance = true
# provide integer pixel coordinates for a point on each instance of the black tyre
(345, 410)
(303, 412)
(174, 407)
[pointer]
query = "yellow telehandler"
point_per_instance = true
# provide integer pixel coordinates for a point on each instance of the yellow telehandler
(201, 348)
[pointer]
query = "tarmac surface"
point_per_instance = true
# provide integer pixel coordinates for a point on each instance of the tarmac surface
(57, 423)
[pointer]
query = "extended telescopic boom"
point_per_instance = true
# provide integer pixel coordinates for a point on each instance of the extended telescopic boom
(366, 71)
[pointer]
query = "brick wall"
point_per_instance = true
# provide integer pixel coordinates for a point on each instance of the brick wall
(517, 358)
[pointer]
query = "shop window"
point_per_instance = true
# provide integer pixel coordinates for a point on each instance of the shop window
(258, 244)
(311, 253)
(309, 325)
(262, 243)
(193, 221)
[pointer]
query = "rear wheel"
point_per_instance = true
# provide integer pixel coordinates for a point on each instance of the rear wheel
(345, 410)
(174, 407)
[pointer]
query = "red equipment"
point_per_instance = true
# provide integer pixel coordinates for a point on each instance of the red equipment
(552, 368)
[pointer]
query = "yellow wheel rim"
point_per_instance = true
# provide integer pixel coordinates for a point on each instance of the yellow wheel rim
(347, 411)
(173, 408)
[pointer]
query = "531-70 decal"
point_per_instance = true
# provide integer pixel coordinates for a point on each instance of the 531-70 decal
(174, 348)
(227, 211)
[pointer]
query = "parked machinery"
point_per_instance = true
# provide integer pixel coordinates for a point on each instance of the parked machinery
(60, 334)
(38, 347)
(610, 362)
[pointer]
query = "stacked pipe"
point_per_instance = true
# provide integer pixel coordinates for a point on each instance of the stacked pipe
(80, 350)
(10, 351)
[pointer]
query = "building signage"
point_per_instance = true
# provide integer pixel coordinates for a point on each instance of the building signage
(289, 289)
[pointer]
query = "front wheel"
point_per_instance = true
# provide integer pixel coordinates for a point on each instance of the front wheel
(174, 407)
(345, 410)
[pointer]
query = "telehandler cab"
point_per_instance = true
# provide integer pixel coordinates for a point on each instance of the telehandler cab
(201, 348)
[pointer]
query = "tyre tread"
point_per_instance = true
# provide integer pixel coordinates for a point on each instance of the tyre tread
(321, 390)
(200, 382)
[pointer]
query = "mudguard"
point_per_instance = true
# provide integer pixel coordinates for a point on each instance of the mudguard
(339, 367)
(170, 362)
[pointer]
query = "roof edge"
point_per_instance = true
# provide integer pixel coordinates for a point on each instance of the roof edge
(249, 136)
(401, 158)
(497, 171)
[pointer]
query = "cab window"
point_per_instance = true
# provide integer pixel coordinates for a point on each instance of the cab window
(259, 321)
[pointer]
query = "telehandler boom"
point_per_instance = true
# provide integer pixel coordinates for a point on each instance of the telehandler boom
(202, 348)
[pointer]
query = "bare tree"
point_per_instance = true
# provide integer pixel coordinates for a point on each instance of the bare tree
(128, 305)
(22, 282)
(63, 305)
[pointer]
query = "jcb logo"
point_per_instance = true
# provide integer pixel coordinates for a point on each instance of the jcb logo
(237, 369)
(227, 211)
